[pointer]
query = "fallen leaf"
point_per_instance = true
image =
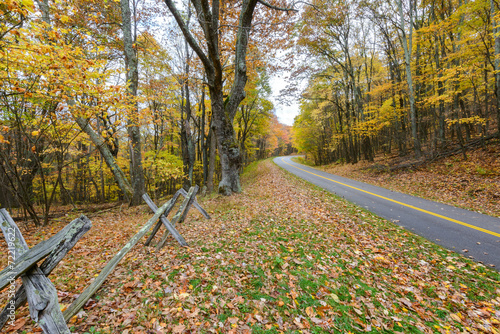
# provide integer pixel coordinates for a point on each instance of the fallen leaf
(179, 328)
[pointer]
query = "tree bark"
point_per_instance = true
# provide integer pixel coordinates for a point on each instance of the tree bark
(495, 31)
(132, 76)
(406, 42)
(229, 149)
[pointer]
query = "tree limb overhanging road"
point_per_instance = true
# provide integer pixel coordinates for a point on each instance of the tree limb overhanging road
(469, 233)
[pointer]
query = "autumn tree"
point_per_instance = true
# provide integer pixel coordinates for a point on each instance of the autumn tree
(158, 87)
(224, 108)
(132, 77)
(48, 82)
(424, 78)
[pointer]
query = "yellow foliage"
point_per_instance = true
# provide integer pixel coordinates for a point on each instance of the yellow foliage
(467, 120)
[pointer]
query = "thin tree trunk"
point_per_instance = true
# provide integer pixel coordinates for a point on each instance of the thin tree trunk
(211, 162)
(204, 139)
(131, 64)
(44, 8)
(187, 145)
(103, 148)
(495, 31)
(406, 42)
(441, 119)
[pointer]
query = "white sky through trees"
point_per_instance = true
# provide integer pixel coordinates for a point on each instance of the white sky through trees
(286, 112)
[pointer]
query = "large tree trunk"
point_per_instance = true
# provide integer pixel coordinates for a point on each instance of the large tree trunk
(230, 157)
(223, 112)
(229, 148)
(131, 64)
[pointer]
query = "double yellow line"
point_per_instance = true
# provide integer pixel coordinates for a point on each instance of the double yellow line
(401, 203)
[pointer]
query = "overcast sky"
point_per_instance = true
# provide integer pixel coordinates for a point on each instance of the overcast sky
(285, 113)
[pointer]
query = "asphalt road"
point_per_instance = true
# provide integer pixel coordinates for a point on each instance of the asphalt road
(453, 228)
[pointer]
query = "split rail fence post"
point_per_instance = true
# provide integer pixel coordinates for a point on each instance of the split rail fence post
(190, 199)
(37, 288)
(180, 215)
(164, 221)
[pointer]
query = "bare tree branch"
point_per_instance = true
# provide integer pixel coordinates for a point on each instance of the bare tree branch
(262, 2)
(189, 37)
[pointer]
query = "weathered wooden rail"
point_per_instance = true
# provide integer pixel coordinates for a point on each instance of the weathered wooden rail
(160, 214)
(37, 288)
(189, 199)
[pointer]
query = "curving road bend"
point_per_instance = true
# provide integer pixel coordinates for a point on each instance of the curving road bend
(469, 233)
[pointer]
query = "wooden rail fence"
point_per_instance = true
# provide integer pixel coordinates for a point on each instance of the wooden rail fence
(39, 291)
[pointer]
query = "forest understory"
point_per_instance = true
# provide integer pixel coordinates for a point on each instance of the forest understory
(472, 183)
(281, 257)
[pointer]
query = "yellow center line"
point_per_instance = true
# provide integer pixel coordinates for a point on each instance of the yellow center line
(401, 203)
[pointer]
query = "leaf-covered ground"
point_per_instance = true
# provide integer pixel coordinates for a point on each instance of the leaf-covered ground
(471, 184)
(282, 256)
